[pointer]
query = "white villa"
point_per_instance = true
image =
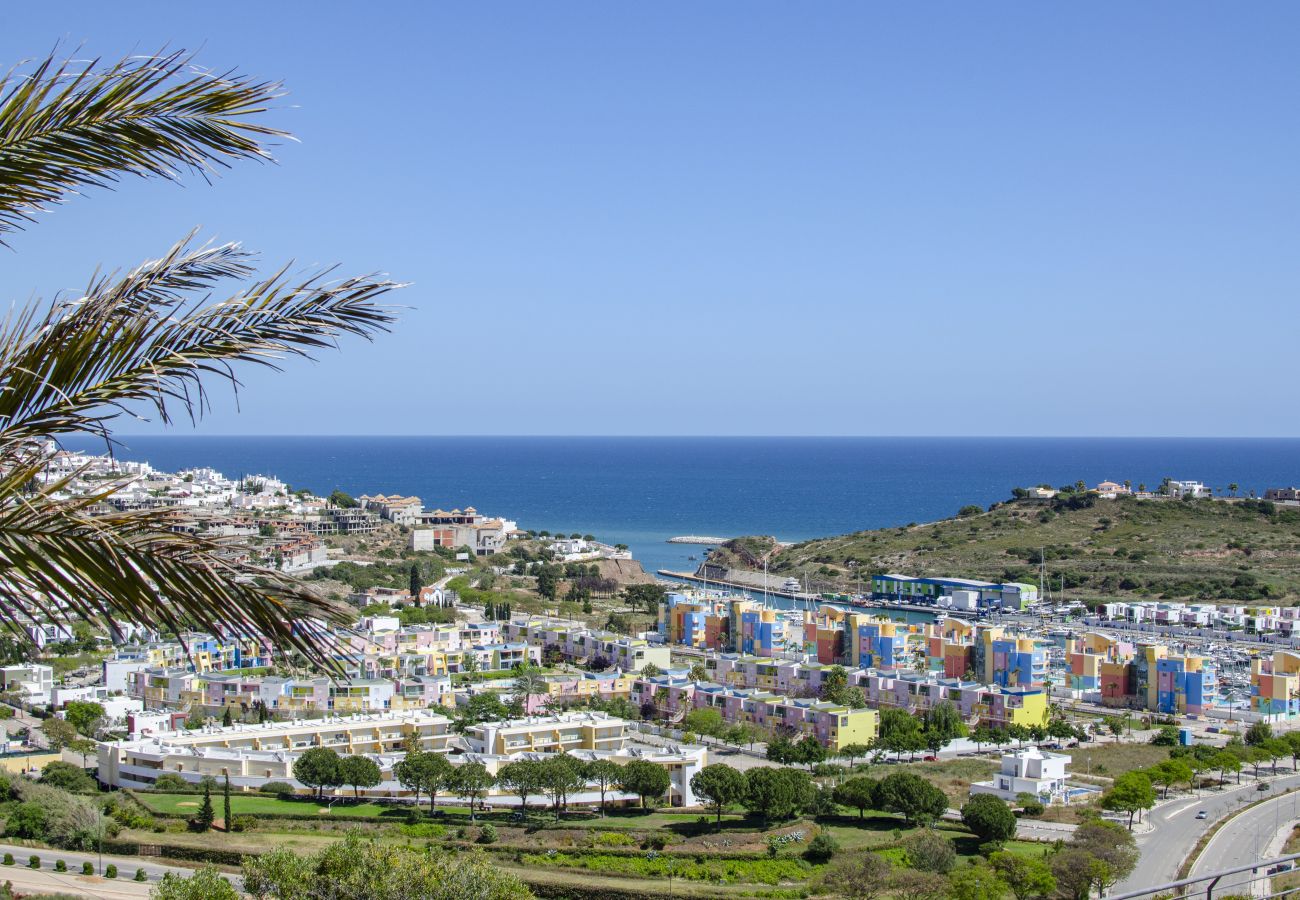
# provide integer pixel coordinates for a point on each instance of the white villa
(1029, 771)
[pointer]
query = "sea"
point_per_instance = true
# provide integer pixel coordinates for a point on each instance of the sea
(640, 491)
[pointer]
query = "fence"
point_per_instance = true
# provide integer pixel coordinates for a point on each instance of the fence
(1253, 880)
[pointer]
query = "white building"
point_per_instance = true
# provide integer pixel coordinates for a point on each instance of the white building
(549, 734)
(1029, 771)
(1181, 489)
(32, 682)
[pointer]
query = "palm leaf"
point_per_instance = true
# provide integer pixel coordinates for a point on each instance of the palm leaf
(61, 555)
(66, 126)
(150, 337)
(141, 338)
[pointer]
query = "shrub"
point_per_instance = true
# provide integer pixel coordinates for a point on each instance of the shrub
(170, 781)
(9, 859)
(110, 871)
(656, 842)
(277, 788)
(60, 866)
(487, 834)
(33, 861)
(87, 869)
(243, 823)
(140, 875)
(821, 848)
(1033, 808)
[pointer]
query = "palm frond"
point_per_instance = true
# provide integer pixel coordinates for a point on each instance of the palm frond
(60, 553)
(67, 125)
(141, 338)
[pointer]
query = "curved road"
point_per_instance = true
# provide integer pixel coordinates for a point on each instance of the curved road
(1249, 836)
(1176, 831)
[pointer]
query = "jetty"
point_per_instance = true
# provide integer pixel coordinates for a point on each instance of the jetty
(697, 539)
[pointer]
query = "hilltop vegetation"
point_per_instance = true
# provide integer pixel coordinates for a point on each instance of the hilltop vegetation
(1213, 550)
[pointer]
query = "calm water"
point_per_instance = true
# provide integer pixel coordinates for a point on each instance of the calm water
(640, 491)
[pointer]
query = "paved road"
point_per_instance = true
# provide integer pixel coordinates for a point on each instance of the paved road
(72, 882)
(1250, 836)
(1176, 830)
(67, 884)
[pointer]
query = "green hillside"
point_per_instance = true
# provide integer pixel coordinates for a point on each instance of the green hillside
(1244, 550)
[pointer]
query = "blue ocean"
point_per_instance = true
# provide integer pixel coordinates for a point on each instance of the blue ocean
(640, 491)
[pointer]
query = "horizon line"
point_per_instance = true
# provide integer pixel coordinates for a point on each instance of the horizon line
(1065, 437)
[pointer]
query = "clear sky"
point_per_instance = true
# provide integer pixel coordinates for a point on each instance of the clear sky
(748, 217)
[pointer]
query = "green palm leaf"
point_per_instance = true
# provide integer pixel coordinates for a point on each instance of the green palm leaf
(150, 338)
(66, 125)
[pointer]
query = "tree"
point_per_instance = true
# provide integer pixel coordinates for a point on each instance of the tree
(359, 868)
(227, 718)
(1292, 739)
(318, 768)
(1170, 772)
(720, 786)
(776, 793)
(858, 792)
(205, 884)
(58, 732)
(1166, 736)
(471, 780)
(85, 716)
(65, 776)
(650, 670)
(415, 582)
(809, 750)
(864, 876)
(912, 884)
(853, 752)
(647, 596)
(911, 795)
(704, 720)
(206, 815)
(226, 817)
(605, 774)
(1275, 749)
(647, 780)
(83, 747)
(976, 882)
(523, 778)
(1029, 878)
(357, 771)
(1112, 850)
(1130, 793)
(138, 339)
(562, 775)
(943, 724)
(548, 581)
(929, 851)
(989, 818)
(1226, 761)
(26, 820)
(780, 749)
(1258, 733)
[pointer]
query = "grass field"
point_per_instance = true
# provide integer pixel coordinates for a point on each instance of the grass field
(245, 804)
(1109, 759)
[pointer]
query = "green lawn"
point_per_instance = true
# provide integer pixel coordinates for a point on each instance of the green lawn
(247, 804)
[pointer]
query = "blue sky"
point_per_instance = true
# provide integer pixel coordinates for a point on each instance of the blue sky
(748, 218)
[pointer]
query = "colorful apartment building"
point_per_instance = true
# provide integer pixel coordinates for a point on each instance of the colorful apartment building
(978, 704)
(1101, 668)
(726, 624)
(1275, 684)
(950, 647)
(674, 694)
(566, 690)
(1178, 685)
(836, 635)
(575, 642)
(1010, 660)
